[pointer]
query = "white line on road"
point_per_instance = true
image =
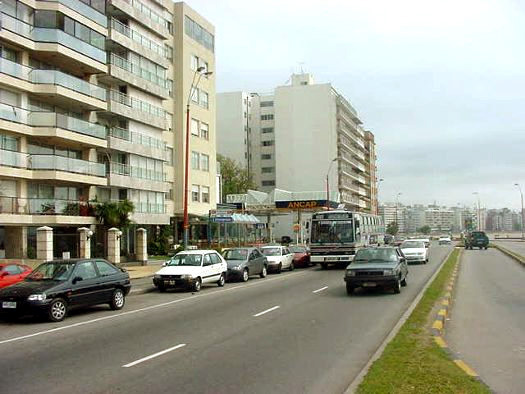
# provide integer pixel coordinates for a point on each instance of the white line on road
(154, 355)
(266, 311)
(321, 289)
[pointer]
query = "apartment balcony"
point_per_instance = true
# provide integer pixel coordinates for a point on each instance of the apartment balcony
(140, 12)
(347, 144)
(347, 171)
(13, 159)
(148, 213)
(84, 10)
(59, 47)
(355, 164)
(122, 70)
(40, 211)
(133, 108)
(130, 39)
(122, 175)
(140, 144)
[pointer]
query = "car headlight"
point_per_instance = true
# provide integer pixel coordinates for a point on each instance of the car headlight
(389, 272)
(37, 297)
(157, 276)
(350, 272)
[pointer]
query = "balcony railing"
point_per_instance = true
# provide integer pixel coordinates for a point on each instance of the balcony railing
(161, 50)
(136, 104)
(148, 12)
(13, 159)
(59, 78)
(137, 138)
(60, 163)
(137, 172)
(84, 9)
(146, 207)
(124, 64)
(14, 69)
(44, 206)
(16, 26)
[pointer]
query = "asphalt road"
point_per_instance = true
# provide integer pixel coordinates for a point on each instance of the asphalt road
(487, 326)
(288, 333)
(514, 246)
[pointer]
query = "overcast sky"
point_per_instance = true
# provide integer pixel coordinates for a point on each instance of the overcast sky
(440, 83)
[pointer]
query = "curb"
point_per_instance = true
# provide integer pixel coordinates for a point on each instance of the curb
(520, 259)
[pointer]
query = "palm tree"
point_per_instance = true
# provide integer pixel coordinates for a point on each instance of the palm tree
(113, 214)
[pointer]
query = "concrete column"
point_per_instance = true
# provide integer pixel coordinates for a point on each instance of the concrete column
(85, 242)
(15, 242)
(44, 243)
(114, 235)
(141, 245)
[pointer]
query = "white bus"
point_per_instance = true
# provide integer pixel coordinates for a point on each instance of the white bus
(336, 235)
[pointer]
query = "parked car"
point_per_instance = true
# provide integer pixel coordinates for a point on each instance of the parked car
(191, 269)
(445, 240)
(415, 251)
(13, 273)
(301, 255)
(279, 258)
(426, 241)
(476, 239)
(55, 287)
(383, 267)
(243, 262)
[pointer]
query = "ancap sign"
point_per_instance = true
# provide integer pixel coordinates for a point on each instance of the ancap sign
(306, 204)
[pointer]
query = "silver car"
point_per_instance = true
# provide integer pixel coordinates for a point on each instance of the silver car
(244, 262)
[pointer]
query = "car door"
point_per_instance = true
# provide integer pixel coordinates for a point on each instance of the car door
(403, 263)
(253, 266)
(217, 264)
(208, 273)
(108, 278)
(260, 259)
(86, 288)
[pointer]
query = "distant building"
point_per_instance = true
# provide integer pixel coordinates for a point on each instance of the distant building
(393, 214)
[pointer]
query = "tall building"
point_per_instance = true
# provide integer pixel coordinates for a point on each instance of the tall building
(297, 135)
(394, 213)
(439, 219)
(92, 107)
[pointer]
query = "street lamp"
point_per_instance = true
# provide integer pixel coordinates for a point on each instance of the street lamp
(377, 194)
(397, 208)
(479, 211)
(200, 71)
(328, 185)
(522, 221)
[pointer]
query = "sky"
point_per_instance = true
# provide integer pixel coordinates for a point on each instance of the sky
(441, 84)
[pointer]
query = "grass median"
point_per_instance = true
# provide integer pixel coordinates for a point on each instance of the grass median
(412, 362)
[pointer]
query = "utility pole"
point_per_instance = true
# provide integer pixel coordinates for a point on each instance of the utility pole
(522, 214)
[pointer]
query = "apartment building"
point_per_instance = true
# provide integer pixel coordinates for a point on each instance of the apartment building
(87, 112)
(439, 219)
(295, 136)
(394, 213)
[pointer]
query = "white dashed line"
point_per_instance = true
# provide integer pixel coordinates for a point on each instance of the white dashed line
(154, 355)
(266, 311)
(319, 290)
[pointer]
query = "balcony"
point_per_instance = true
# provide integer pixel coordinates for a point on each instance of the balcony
(133, 108)
(122, 175)
(85, 10)
(143, 14)
(140, 144)
(66, 164)
(60, 121)
(59, 78)
(131, 73)
(13, 159)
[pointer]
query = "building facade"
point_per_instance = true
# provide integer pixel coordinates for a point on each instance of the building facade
(297, 136)
(394, 213)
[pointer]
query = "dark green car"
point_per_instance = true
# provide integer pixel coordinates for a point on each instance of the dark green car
(476, 239)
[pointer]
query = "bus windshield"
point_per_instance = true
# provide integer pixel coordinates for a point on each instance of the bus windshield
(332, 231)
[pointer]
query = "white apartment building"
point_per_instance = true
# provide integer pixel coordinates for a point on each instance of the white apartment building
(439, 219)
(297, 135)
(393, 213)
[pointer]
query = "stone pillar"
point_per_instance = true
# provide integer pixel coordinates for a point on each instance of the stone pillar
(44, 243)
(15, 242)
(114, 235)
(141, 245)
(85, 242)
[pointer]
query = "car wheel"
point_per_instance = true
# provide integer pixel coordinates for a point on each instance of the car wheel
(397, 287)
(292, 267)
(57, 310)
(324, 266)
(117, 300)
(404, 281)
(280, 268)
(349, 289)
(264, 272)
(245, 275)
(221, 281)
(197, 285)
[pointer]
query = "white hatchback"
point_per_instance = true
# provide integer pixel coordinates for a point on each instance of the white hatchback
(415, 251)
(191, 269)
(279, 258)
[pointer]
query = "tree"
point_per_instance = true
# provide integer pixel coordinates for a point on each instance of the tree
(424, 230)
(114, 213)
(235, 178)
(392, 228)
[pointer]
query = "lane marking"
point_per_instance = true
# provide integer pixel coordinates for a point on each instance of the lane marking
(266, 311)
(321, 289)
(147, 308)
(154, 355)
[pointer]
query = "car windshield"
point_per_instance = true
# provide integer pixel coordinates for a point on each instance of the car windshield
(236, 254)
(478, 234)
(52, 271)
(375, 256)
(332, 231)
(412, 245)
(297, 249)
(271, 251)
(186, 260)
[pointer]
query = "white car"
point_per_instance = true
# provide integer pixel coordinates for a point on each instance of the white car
(279, 258)
(425, 240)
(415, 251)
(191, 269)
(444, 241)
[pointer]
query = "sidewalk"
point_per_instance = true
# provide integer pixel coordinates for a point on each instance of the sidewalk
(144, 271)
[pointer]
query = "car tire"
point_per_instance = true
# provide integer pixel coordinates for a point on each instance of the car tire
(245, 275)
(57, 310)
(349, 289)
(118, 299)
(404, 282)
(292, 266)
(197, 285)
(264, 272)
(397, 287)
(280, 269)
(221, 281)
(324, 266)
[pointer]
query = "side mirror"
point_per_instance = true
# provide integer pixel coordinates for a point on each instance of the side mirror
(77, 279)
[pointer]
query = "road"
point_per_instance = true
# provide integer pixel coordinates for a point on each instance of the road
(294, 332)
(487, 326)
(514, 246)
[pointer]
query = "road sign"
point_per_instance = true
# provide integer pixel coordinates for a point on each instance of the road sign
(222, 219)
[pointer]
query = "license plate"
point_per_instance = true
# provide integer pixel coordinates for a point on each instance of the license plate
(331, 258)
(369, 284)
(171, 282)
(9, 305)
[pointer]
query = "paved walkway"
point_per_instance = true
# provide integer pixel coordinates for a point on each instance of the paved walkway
(137, 272)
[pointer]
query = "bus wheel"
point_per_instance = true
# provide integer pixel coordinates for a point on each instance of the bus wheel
(324, 266)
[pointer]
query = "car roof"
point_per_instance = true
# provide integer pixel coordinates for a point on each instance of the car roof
(272, 246)
(203, 251)
(73, 261)
(241, 247)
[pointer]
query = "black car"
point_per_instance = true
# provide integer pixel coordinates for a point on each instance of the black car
(56, 286)
(476, 239)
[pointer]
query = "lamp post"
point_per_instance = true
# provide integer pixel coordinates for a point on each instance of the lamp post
(479, 211)
(397, 208)
(200, 71)
(377, 194)
(328, 185)
(522, 221)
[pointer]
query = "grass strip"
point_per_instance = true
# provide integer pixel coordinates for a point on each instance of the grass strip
(412, 362)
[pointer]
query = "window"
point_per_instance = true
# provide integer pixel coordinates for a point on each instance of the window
(195, 160)
(195, 96)
(268, 183)
(267, 170)
(204, 64)
(12, 270)
(170, 156)
(105, 269)
(199, 34)
(205, 131)
(266, 156)
(267, 117)
(85, 271)
(267, 130)
(195, 192)
(215, 259)
(207, 260)
(194, 62)
(8, 143)
(205, 162)
(195, 127)
(266, 103)
(205, 194)
(204, 99)
(268, 143)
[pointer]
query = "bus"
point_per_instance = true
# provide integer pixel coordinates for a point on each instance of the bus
(335, 236)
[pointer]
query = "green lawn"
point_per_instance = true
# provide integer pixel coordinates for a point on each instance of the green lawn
(412, 362)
